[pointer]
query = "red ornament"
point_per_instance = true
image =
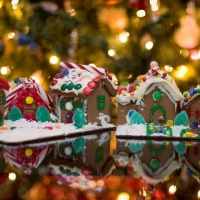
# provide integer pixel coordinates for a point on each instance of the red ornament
(87, 91)
(139, 4)
(91, 84)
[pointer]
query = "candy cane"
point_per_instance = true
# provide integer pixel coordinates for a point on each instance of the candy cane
(94, 70)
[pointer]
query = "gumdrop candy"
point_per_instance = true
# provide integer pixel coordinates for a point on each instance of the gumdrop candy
(14, 113)
(78, 144)
(135, 147)
(79, 118)
(181, 119)
(137, 118)
(42, 114)
(180, 148)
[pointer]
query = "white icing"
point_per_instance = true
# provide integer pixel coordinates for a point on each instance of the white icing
(69, 106)
(31, 131)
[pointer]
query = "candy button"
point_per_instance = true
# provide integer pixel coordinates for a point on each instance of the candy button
(28, 152)
(69, 106)
(29, 100)
(67, 116)
(68, 150)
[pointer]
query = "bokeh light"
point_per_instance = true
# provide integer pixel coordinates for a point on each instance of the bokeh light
(53, 60)
(123, 196)
(172, 189)
(12, 176)
(141, 13)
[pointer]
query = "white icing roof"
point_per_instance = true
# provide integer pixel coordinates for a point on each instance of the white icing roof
(153, 76)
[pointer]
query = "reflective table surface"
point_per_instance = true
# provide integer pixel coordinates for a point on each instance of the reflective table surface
(101, 166)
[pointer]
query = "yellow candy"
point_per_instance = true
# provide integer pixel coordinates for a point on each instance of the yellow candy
(4, 128)
(170, 123)
(123, 92)
(28, 152)
(137, 87)
(167, 133)
(139, 78)
(29, 100)
(189, 134)
(170, 80)
(188, 144)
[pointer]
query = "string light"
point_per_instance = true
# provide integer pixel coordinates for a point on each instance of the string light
(198, 194)
(5, 70)
(111, 52)
(168, 68)
(53, 60)
(11, 35)
(172, 189)
(141, 13)
(12, 176)
(123, 37)
(123, 196)
(181, 71)
(149, 45)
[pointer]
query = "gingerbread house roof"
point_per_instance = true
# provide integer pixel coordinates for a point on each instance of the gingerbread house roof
(81, 80)
(136, 90)
(4, 85)
(190, 95)
(26, 86)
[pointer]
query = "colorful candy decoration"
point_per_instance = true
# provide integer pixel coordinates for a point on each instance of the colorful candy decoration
(137, 118)
(79, 118)
(94, 70)
(78, 144)
(181, 119)
(42, 114)
(135, 147)
(157, 96)
(25, 157)
(180, 148)
(155, 164)
(14, 113)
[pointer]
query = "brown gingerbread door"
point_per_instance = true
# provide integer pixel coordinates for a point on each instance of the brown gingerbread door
(193, 114)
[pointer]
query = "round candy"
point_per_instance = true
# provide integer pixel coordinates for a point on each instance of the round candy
(96, 80)
(67, 116)
(198, 90)
(29, 100)
(68, 150)
(155, 164)
(185, 94)
(91, 84)
(157, 96)
(28, 152)
(69, 106)
(185, 100)
(87, 91)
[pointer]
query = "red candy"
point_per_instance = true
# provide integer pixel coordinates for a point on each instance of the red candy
(96, 80)
(91, 84)
(87, 91)
(109, 77)
(30, 116)
(54, 82)
(121, 87)
(57, 75)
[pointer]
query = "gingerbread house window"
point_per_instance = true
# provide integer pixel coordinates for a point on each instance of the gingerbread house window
(99, 155)
(101, 102)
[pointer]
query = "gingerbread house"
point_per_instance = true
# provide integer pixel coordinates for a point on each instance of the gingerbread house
(86, 87)
(154, 95)
(4, 86)
(191, 104)
(86, 150)
(27, 99)
(153, 161)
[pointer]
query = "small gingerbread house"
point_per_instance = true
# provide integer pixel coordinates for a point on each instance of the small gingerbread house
(4, 86)
(191, 104)
(86, 87)
(27, 99)
(91, 150)
(154, 95)
(153, 161)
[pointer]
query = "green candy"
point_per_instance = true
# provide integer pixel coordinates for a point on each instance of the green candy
(70, 86)
(181, 119)
(63, 86)
(79, 118)
(42, 114)
(78, 86)
(14, 113)
(157, 96)
(198, 90)
(17, 80)
(155, 164)
(78, 144)
(137, 118)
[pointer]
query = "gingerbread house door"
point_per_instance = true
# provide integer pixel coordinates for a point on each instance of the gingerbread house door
(193, 114)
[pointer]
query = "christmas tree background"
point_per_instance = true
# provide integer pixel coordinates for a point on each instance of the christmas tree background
(112, 34)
